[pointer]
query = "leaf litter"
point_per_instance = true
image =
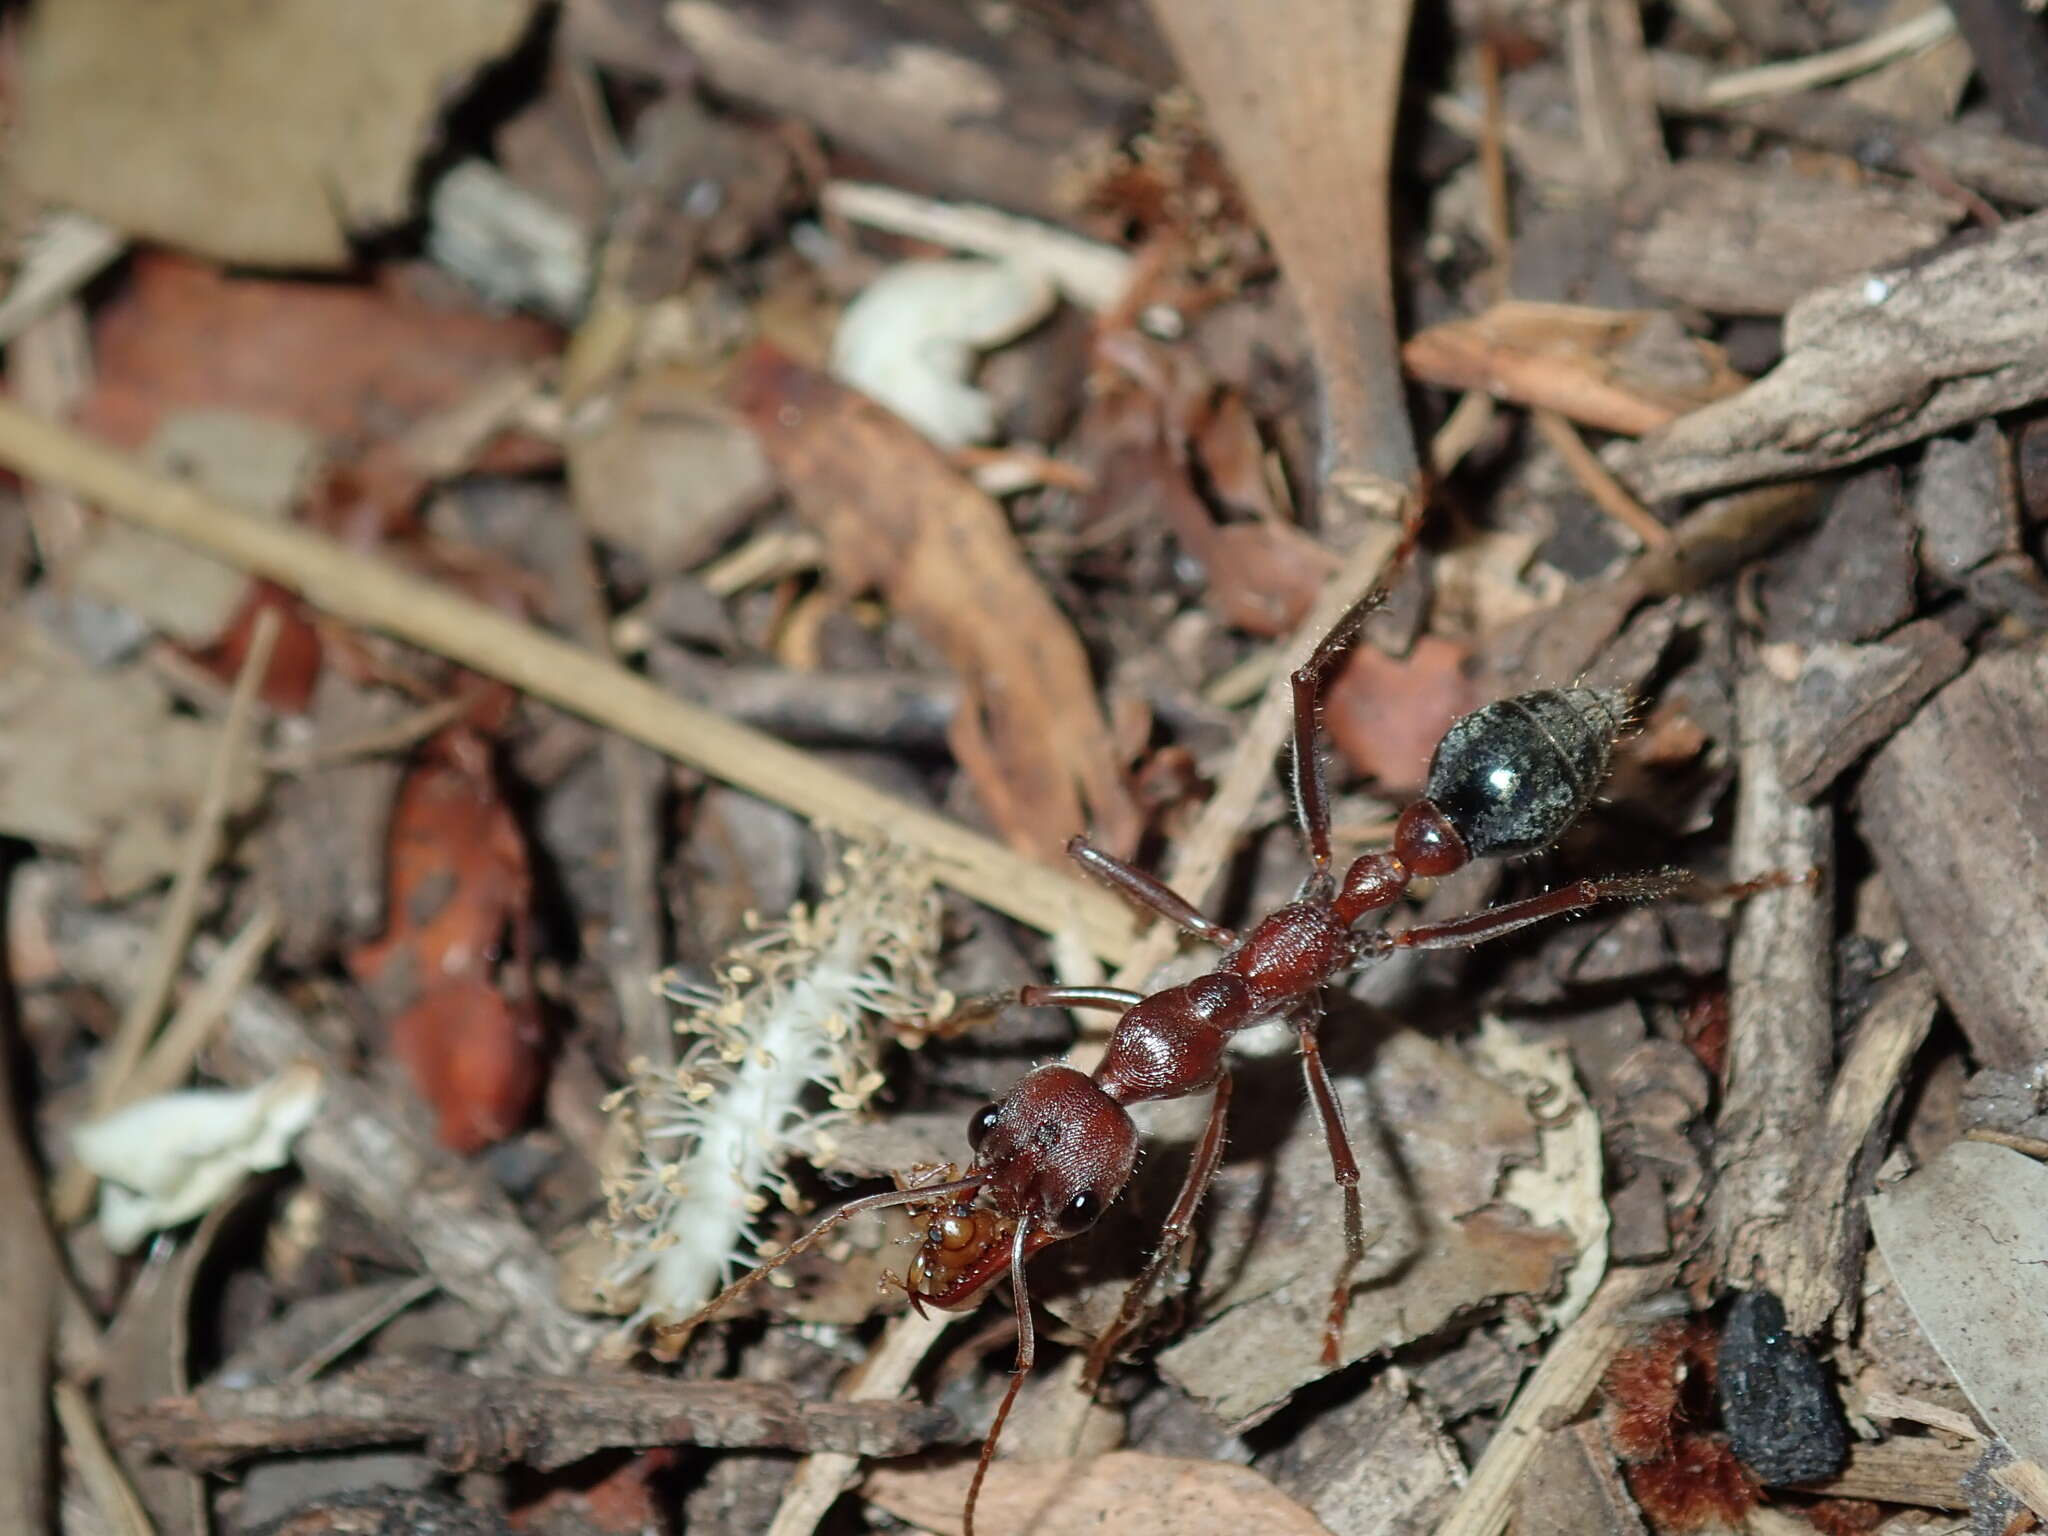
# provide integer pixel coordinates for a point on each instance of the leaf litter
(1082, 540)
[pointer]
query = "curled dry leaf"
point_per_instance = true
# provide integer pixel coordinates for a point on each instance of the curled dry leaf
(475, 1054)
(896, 517)
(1127, 1492)
(1627, 371)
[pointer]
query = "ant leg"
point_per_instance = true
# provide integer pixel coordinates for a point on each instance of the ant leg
(1311, 797)
(1180, 1224)
(1115, 999)
(1027, 1356)
(1148, 891)
(1343, 1165)
(1497, 922)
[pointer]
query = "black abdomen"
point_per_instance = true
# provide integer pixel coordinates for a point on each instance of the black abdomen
(1511, 777)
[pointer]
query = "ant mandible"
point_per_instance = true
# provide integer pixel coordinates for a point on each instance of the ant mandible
(1055, 1152)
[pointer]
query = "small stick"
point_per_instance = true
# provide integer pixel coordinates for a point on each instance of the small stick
(362, 590)
(180, 917)
(97, 1468)
(1782, 79)
(1607, 493)
(196, 1018)
(543, 1422)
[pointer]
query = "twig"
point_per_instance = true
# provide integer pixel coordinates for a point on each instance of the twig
(29, 1280)
(1606, 492)
(543, 1422)
(101, 1474)
(366, 591)
(1090, 273)
(1555, 1391)
(180, 916)
(64, 252)
(2009, 169)
(1824, 1256)
(196, 1018)
(1782, 79)
(630, 947)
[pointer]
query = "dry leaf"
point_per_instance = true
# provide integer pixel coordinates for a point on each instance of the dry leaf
(1627, 371)
(353, 363)
(1126, 1491)
(93, 761)
(269, 134)
(1433, 1141)
(896, 517)
(460, 887)
(1387, 713)
(1966, 1239)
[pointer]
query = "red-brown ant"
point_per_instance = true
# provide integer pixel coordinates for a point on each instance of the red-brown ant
(1054, 1153)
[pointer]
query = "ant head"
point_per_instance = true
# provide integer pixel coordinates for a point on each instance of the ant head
(1055, 1151)
(1056, 1148)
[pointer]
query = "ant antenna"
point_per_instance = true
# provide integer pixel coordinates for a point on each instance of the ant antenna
(670, 1338)
(1027, 1356)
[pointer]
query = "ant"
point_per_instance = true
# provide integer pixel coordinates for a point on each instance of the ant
(1053, 1154)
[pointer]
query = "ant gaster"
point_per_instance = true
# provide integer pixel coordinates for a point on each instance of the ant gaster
(1053, 1154)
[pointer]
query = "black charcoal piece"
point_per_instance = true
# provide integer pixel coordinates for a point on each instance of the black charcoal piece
(1783, 1419)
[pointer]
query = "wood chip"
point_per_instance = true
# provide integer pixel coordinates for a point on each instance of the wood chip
(1870, 364)
(1955, 810)
(1848, 698)
(1746, 239)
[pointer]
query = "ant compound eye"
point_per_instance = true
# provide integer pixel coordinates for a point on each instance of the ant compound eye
(1081, 1212)
(983, 1122)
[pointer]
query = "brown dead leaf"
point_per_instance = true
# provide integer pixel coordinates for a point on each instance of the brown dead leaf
(460, 888)
(1386, 714)
(265, 133)
(1125, 1491)
(458, 871)
(896, 517)
(1626, 371)
(347, 361)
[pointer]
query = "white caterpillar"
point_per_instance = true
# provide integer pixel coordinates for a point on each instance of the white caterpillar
(782, 1048)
